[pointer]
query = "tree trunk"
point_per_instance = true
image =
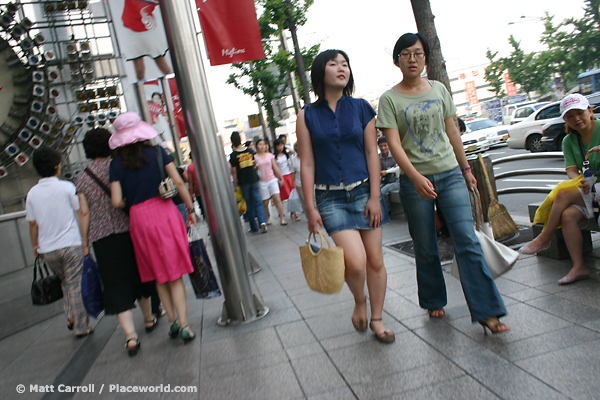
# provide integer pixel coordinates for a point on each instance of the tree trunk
(436, 66)
(297, 53)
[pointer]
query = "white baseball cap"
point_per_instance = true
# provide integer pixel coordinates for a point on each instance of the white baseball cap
(573, 101)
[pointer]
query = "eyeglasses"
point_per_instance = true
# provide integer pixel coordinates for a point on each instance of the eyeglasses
(418, 56)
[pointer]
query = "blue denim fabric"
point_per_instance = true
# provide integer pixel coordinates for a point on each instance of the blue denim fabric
(254, 206)
(387, 189)
(480, 290)
(341, 210)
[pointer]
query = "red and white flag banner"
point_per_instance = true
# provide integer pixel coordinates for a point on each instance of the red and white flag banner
(230, 29)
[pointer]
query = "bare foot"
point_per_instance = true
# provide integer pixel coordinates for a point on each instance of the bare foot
(359, 316)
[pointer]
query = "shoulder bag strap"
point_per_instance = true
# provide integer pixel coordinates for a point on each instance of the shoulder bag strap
(98, 181)
(581, 147)
(161, 167)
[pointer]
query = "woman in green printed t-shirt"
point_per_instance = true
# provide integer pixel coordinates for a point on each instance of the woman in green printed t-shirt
(417, 118)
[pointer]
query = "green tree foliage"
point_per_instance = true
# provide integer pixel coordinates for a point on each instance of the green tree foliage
(266, 80)
(572, 47)
(494, 74)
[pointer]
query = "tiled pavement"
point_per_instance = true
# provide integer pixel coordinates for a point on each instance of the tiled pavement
(306, 347)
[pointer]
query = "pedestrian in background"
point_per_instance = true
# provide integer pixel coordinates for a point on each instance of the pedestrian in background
(340, 168)
(106, 229)
(158, 233)
(244, 175)
(270, 180)
(50, 209)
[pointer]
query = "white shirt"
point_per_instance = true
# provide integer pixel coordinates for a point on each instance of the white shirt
(284, 165)
(295, 167)
(52, 204)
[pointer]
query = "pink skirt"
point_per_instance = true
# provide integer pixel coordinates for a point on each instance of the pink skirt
(162, 250)
(284, 191)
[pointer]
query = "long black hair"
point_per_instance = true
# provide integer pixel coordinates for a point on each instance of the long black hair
(276, 143)
(317, 74)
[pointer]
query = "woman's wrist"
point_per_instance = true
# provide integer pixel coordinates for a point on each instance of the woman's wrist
(465, 170)
(309, 211)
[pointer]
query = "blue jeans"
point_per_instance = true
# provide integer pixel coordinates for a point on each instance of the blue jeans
(480, 290)
(387, 189)
(254, 205)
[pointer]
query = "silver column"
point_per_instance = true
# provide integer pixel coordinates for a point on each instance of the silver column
(227, 236)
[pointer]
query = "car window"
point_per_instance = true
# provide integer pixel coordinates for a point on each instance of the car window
(548, 112)
(523, 112)
(481, 124)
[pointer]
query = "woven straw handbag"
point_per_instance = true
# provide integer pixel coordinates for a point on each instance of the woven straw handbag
(323, 270)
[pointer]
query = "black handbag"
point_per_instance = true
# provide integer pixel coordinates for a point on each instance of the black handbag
(48, 288)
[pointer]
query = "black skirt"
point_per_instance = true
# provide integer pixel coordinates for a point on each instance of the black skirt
(119, 273)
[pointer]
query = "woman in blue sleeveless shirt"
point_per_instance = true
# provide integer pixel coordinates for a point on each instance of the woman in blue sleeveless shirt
(340, 170)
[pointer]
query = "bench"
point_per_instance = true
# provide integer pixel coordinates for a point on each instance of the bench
(396, 208)
(558, 250)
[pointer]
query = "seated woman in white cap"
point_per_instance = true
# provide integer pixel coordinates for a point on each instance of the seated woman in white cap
(157, 230)
(569, 207)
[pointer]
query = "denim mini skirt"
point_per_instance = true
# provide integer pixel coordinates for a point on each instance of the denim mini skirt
(342, 209)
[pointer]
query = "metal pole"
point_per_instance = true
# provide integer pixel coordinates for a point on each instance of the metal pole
(172, 125)
(240, 305)
(291, 77)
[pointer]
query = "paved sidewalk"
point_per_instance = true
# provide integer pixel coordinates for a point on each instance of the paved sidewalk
(306, 347)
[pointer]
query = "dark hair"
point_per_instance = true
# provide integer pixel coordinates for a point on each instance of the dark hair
(407, 40)
(95, 143)
(276, 143)
(248, 143)
(46, 161)
(461, 125)
(235, 139)
(381, 140)
(156, 93)
(282, 136)
(131, 155)
(317, 74)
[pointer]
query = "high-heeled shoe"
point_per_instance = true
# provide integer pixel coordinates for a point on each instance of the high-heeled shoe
(152, 323)
(174, 330)
(494, 325)
(186, 335)
(132, 351)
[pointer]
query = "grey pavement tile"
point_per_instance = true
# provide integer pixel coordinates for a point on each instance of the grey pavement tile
(343, 307)
(396, 384)
(524, 295)
(447, 340)
(462, 388)
(295, 334)
(350, 339)
(506, 286)
(242, 346)
(340, 394)
(306, 301)
(292, 280)
(269, 287)
(566, 309)
(329, 325)
(209, 370)
(573, 371)
(544, 343)
(534, 275)
(278, 300)
(317, 374)
(479, 360)
(584, 292)
(511, 382)
(524, 320)
(593, 325)
(270, 382)
(306, 350)
(397, 280)
(401, 308)
(372, 360)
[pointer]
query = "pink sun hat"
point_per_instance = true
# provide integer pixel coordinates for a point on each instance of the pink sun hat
(573, 101)
(129, 128)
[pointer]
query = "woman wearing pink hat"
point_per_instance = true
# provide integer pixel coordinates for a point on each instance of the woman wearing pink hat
(569, 207)
(158, 233)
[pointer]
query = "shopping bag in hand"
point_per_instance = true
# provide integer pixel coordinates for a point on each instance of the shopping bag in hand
(91, 287)
(203, 278)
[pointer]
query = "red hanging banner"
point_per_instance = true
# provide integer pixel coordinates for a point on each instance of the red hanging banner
(230, 29)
